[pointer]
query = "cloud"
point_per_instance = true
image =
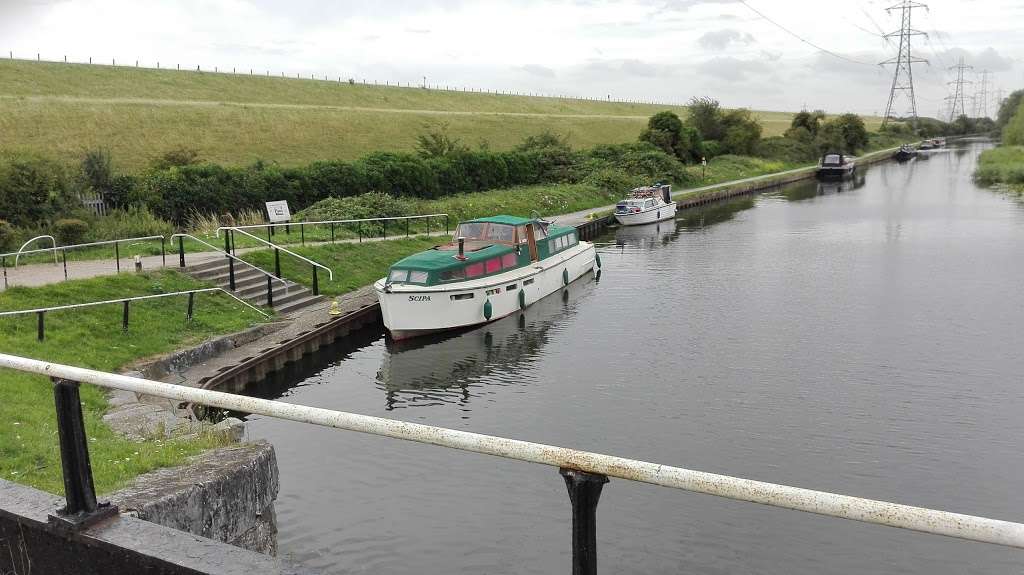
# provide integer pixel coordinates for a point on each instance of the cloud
(626, 67)
(720, 39)
(684, 5)
(537, 70)
(730, 69)
(987, 59)
(417, 30)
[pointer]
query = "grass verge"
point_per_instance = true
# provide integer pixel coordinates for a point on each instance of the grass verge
(1002, 165)
(92, 337)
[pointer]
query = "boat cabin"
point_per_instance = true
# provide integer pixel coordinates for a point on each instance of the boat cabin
(484, 247)
(834, 160)
(645, 198)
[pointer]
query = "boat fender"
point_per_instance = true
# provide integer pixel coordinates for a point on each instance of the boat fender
(565, 276)
(487, 309)
(522, 299)
(597, 258)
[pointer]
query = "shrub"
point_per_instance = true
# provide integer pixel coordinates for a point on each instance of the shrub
(33, 190)
(177, 157)
(787, 149)
(70, 231)
(436, 142)
(7, 236)
(132, 222)
(610, 180)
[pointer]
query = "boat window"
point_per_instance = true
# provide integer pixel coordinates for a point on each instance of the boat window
(527, 282)
(509, 261)
(471, 231)
(499, 232)
(832, 159)
(398, 275)
(540, 232)
(511, 287)
(562, 242)
(572, 239)
(649, 204)
(521, 230)
(418, 277)
(474, 270)
(459, 296)
(552, 246)
(453, 274)
(493, 265)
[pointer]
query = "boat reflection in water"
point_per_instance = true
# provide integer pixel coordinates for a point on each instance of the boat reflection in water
(811, 189)
(646, 235)
(455, 367)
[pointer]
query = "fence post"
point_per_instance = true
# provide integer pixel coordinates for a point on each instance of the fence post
(359, 229)
(4, 259)
(302, 234)
(40, 325)
(81, 508)
(181, 251)
(316, 284)
(584, 493)
(124, 319)
(234, 251)
(332, 232)
(64, 257)
(163, 251)
(277, 262)
(446, 224)
(231, 260)
(406, 227)
(191, 306)
(385, 232)
(270, 293)
(117, 255)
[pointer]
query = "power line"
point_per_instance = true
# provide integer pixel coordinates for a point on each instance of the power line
(801, 38)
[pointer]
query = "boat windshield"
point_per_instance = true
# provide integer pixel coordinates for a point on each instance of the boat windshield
(486, 231)
(832, 159)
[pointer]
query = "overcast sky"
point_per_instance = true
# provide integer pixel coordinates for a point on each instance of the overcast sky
(657, 49)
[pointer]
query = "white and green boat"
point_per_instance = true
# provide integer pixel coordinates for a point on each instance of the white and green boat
(494, 267)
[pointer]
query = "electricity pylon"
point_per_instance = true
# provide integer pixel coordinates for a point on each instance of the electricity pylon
(903, 78)
(958, 92)
(983, 95)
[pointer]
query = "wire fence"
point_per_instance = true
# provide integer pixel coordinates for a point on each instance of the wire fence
(343, 79)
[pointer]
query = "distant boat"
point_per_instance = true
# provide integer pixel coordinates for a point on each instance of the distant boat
(646, 205)
(928, 145)
(835, 166)
(905, 153)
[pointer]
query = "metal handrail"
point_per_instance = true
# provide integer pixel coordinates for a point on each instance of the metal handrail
(330, 274)
(133, 298)
(57, 248)
(285, 224)
(19, 252)
(234, 257)
(570, 461)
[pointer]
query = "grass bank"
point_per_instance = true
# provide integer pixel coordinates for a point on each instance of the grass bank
(92, 337)
(138, 114)
(1002, 165)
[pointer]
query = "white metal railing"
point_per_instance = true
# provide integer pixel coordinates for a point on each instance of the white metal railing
(920, 519)
(57, 248)
(131, 298)
(328, 222)
(330, 273)
(181, 255)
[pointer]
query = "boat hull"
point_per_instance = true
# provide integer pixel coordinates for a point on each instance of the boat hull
(411, 311)
(649, 216)
(837, 173)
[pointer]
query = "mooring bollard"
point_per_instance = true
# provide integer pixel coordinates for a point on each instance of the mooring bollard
(81, 507)
(138, 263)
(584, 493)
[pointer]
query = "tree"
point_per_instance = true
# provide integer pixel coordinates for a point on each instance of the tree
(742, 131)
(666, 131)
(436, 142)
(1008, 108)
(809, 122)
(706, 117)
(845, 133)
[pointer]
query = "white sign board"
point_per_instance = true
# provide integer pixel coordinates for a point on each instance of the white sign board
(278, 212)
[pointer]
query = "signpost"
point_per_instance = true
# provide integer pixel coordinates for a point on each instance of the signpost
(278, 212)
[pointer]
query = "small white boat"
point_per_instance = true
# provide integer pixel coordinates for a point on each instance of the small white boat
(495, 267)
(646, 205)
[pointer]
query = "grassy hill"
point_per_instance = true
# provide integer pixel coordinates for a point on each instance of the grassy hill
(61, 110)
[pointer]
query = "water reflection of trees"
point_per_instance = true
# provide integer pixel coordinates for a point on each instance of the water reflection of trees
(813, 188)
(454, 367)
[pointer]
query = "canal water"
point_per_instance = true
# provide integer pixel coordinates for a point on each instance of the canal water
(862, 338)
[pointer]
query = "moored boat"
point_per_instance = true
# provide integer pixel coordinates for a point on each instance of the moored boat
(905, 153)
(646, 205)
(494, 267)
(928, 145)
(835, 166)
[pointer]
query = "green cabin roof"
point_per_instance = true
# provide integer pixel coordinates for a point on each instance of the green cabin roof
(510, 220)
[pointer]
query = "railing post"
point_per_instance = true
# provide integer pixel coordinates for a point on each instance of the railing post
(359, 229)
(40, 325)
(79, 491)
(584, 493)
(406, 227)
(191, 306)
(384, 234)
(124, 319)
(302, 234)
(181, 251)
(270, 232)
(270, 292)
(64, 257)
(163, 251)
(233, 250)
(117, 255)
(332, 232)
(4, 261)
(446, 224)
(231, 273)
(277, 262)
(316, 284)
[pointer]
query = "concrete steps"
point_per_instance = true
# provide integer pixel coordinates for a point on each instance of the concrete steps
(251, 285)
